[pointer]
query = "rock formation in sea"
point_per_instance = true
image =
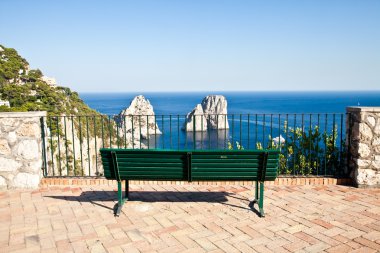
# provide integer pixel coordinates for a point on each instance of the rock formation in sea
(213, 110)
(140, 115)
(200, 120)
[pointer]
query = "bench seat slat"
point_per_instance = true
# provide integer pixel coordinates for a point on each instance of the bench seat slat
(204, 165)
(140, 164)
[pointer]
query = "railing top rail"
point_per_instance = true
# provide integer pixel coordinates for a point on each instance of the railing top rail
(213, 114)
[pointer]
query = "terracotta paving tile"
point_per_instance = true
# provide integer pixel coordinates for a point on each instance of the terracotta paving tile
(190, 218)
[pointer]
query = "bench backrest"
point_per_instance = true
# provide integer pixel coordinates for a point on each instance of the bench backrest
(190, 165)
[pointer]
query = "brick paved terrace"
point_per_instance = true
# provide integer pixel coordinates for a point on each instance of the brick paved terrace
(191, 218)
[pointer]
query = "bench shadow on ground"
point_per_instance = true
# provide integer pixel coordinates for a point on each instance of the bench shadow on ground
(161, 196)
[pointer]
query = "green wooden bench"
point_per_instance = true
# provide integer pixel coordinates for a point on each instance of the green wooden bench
(190, 165)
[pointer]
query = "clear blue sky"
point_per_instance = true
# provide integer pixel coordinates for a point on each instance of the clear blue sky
(213, 45)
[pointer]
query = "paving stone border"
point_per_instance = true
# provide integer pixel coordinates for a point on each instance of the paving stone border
(363, 140)
(20, 149)
(279, 181)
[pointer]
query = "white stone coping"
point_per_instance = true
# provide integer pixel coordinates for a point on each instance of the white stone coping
(363, 109)
(23, 114)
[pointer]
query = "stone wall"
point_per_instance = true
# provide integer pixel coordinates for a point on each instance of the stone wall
(363, 139)
(20, 149)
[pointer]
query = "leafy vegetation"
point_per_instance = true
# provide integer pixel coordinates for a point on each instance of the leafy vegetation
(26, 91)
(308, 152)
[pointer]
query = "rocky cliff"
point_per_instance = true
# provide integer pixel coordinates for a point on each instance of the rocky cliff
(213, 111)
(139, 118)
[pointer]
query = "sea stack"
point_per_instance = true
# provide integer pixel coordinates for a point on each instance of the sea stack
(200, 120)
(141, 115)
(213, 110)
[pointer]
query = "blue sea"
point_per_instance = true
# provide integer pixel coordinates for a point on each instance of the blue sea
(238, 102)
(254, 116)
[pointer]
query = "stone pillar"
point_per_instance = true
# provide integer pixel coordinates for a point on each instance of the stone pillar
(363, 140)
(21, 147)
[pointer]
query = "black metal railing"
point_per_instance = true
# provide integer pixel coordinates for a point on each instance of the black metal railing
(310, 144)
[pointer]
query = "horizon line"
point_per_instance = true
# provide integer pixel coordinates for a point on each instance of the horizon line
(234, 91)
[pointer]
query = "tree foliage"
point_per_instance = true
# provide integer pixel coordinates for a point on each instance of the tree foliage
(26, 91)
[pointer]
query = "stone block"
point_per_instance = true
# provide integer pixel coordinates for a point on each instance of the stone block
(26, 180)
(365, 132)
(7, 164)
(3, 182)
(365, 176)
(29, 129)
(4, 147)
(376, 130)
(363, 163)
(364, 150)
(371, 120)
(8, 124)
(34, 167)
(28, 149)
(376, 141)
(12, 137)
(376, 162)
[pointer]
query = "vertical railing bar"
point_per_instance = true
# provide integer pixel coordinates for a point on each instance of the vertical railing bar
(233, 130)
(155, 132)
(248, 128)
(117, 122)
(59, 148)
(286, 142)
(325, 140)
(209, 134)
(163, 132)
(88, 148)
(271, 129)
(170, 130)
(140, 130)
(333, 147)
(102, 121)
(66, 144)
(302, 136)
(256, 129)
(341, 141)
(125, 130)
(72, 132)
(225, 130)
(51, 146)
(264, 130)
(81, 143)
(317, 134)
(147, 130)
(133, 131)
(96, 149)
(201, 132)
(44, 145)
(194, 131)
(178, 133)
(109, 129)
(217, 131)
(279, 131)
(310, 135)
(241, 129)
(295, 145)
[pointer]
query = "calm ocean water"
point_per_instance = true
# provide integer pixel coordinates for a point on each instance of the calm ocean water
(246, 130)
(238, 102)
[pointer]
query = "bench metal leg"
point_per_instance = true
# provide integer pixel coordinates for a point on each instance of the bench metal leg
(120, 199)
(256, 192)
(261, 199)
(126, 189)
